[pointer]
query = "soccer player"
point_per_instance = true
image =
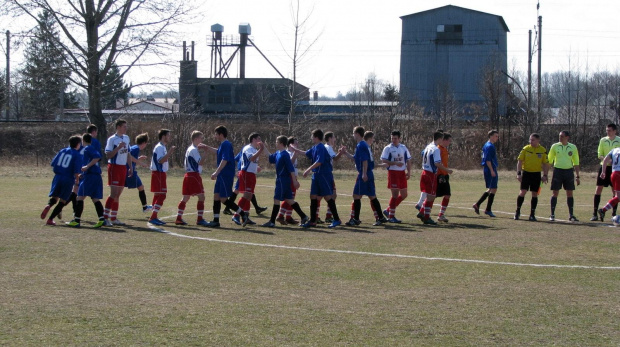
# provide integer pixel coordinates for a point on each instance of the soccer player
(531, 161)
(489, 168)
(247, 175)
(398, 160)
(365, 182)
(159, 167)
(223, 177)
(235, 192)
(613, 158)
(67, 165)
(192, 182)
(431, 161)
(286, 179)
(92, 131)
(91, 184)
(117, 152)
(330, 142)
(134, 180)
(605, 145)
(565, 160)
(286, 211)
(443, 177)
(322, 179)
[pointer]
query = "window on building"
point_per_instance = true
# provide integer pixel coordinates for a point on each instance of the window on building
(449, 34)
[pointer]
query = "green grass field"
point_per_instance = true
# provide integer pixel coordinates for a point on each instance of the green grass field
(537, 283)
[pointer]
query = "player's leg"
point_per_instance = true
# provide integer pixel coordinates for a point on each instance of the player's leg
(181, 210)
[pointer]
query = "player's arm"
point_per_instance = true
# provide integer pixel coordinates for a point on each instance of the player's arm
(606, 162)
(440, 166)
(168, 154)
(601, 149)
(219, 169)
(346, 153)
(365, 170)
(312, 167)
(259, 152)
(519, 167)
(90, 164)
(208, 148)
(112, 153)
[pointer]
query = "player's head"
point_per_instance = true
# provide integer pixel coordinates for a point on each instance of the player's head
(395, 137)
(142, 138)
(197, 135)
(493, 135)
(75, 141)
(120, 123)
(291, 141)
(317, 134)
(328, 136)
(447, 139)
(91, 128)
(534, 139)
(163, 133)
(564, 135)
(254, 137)
(87, 139)
(438, 135)
(612, 129)
(368, 135)
(359, 130)
(282, 140)
(221, 130)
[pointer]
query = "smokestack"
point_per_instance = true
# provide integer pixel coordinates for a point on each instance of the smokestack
(192, 50)
(244, 30)
(184, 49)
(316, 96)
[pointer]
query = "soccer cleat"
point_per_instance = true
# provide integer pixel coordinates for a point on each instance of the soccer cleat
(573, 219)
(291, 220)
(532, 218)
(594, 218)
(490, 214)
(394, 220)
(99, 224)
(377, 222)
(236, 220)
(382, 219)
(308, 225)
(59, 215)
(203, 223)
(352, 222)
(329, 220)
(227, 211)
(107, 223)
(281, 220)
(119, 223)
(421, 216)
(517, 215)
(304, 220)
(50, 222)
(45, 211)
(156, 221)
(260, 210)
(442, 218)
(601, 214)
(334, 224)
(180, 222)
(73, 224)
(250, 222)
(212, 224)
(319, 221)
(476, 208)
(269, 225)
(386, 213)
(430, 222)
(147, 208)
(245, 220)
(552, 218)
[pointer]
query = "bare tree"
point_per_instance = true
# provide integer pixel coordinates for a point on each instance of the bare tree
(493, 88)
(96, 34)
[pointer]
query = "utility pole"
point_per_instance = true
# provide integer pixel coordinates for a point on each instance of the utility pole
(529, 77)
(539, 66)
(8, 75)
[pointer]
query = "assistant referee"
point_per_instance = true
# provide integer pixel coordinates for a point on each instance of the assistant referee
(565, 160)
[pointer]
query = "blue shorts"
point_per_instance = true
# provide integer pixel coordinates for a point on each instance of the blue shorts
(133, 181)
(91, 186)
(322, 185)
(364, 188)
(283, 190)
(223, 186)
(490, 181)
(237, 184)
(62, 187)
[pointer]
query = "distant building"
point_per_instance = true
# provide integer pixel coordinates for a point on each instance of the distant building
(446, 49)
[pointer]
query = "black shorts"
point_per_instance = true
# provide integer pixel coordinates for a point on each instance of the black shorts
(604, 182)
(443, 185)
(563, 178)
(530, 181)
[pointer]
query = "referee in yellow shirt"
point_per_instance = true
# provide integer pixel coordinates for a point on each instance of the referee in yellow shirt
(565, 160)
(532, 160)
(605, 145)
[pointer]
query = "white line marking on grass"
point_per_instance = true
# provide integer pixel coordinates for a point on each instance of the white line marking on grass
(404, 256)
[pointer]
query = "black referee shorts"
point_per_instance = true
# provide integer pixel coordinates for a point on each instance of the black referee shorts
(530, 181)
(443, 185)
(563, 178)
(604, 182)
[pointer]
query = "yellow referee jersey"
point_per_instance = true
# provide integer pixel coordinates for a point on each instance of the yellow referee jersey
(606, 145)
(563, 157)
(533, 158)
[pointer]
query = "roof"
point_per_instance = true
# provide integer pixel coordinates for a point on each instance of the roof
(162, 105)
(447, 7)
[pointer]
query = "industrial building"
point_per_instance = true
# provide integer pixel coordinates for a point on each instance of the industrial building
(446, 49)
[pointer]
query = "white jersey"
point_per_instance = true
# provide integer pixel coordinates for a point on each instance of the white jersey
(122, 155)
(331, 152)
(159, 152)
(398, 153)
(291, 153)
(615, 159)
(192, 160)
(430, 156)
(246, 164)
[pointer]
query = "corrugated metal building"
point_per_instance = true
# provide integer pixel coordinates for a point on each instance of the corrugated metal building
(448, 47)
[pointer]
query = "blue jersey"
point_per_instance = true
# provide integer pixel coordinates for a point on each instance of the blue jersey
(362, 153)
(319, 153)
(134, 151)
(67, 162)
(284, 165)
(90, 153)
(489, 154)
(225, 152)
(238, 160)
